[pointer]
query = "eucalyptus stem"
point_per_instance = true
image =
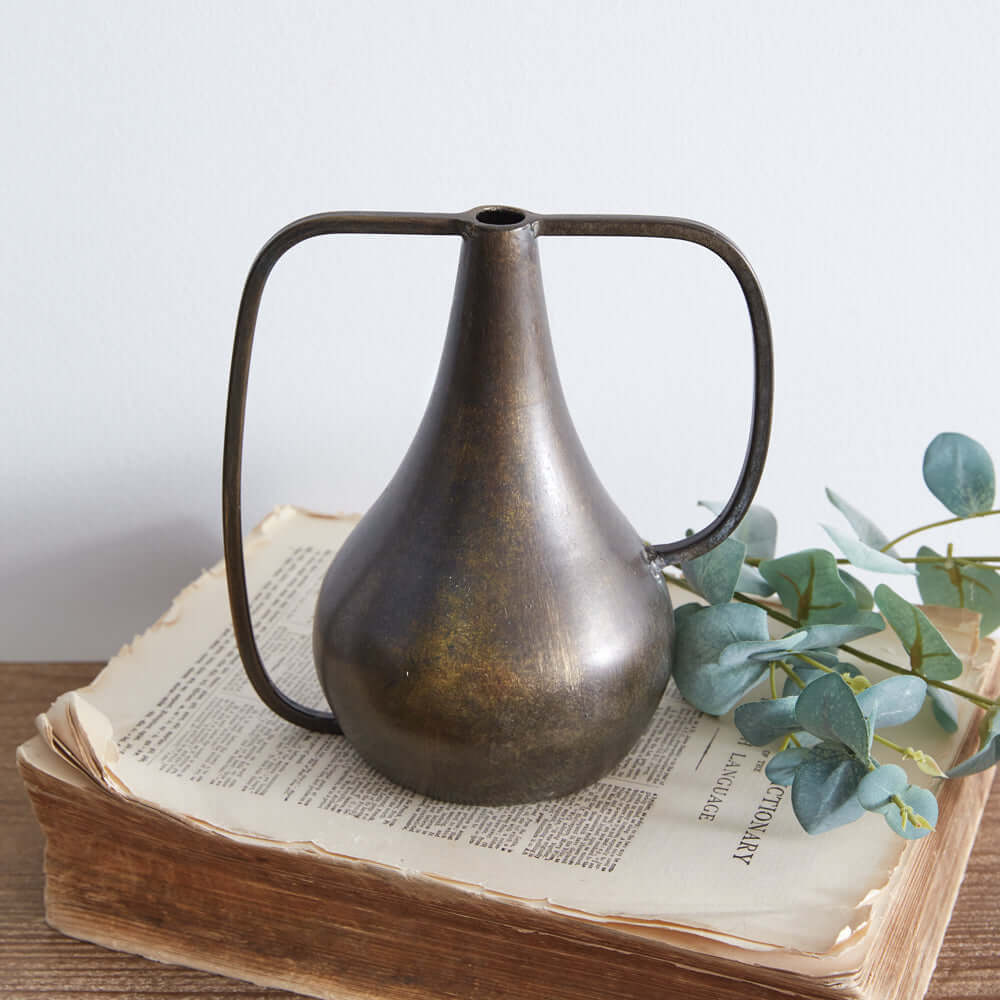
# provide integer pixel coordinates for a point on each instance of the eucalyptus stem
(778, 616)
(976, 699)
(790, 670)
(941, 559)
(890, 744)
(937, 524)
(789, 739)
(914, 559)
(814, 663)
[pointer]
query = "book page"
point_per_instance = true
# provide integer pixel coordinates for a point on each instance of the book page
(686, 832)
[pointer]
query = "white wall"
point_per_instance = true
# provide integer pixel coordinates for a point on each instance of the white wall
(850, 149)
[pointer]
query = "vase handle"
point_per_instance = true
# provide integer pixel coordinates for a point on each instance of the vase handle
(385, 223)
(760, 428)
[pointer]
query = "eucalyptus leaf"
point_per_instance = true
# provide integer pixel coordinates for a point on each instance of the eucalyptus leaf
(944, 705)
(882, 790)
(929, 654)
(861, 593)
(758, 530)
(682, 612)
(864, 556)
(893, 701)
(865, 529)
(715, 689)
(959, 472)
(700, 640)
(829, 636)
(810, 587)
(715, 573)
(876, 788)
(782, 766)
(828, 708)
(824, 788)
(751, 582)
(762, 722)
(925, 762)
(763, 651)
(989, 748)
(924, 805)
(961, 586)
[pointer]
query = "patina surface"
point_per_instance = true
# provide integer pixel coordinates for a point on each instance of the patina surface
(494, 630)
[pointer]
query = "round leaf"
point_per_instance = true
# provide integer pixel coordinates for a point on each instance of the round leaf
(961, 586)
(682, 612)
(704, 632)
(810, 587)
(715, 689)
(824, 787)
(761, 722)
(715, 573)
(925, 808)
(701, 638)
(959, 472)
(929, 654)
(828, 708)
(876, 789)
(782, 766)
(893, 701)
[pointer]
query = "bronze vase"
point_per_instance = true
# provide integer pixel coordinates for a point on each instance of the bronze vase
(493, 630)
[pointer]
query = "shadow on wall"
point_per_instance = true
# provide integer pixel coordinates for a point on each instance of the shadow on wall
(91, 600)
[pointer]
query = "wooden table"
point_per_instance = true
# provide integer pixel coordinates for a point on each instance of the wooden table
(35, 961)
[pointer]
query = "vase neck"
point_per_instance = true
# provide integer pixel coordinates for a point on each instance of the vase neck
(498, 354)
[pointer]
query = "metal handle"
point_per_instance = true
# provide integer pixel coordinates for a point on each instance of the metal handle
(760, 428)
(232, 458)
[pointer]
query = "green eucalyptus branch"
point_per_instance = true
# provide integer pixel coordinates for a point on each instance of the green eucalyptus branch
(724, 650)
(772, 612)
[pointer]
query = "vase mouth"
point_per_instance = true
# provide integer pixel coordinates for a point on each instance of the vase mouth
(499, 217)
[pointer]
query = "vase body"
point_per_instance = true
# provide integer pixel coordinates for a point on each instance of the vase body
(493, 629)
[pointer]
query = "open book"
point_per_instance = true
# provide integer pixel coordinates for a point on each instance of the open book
(685, 861)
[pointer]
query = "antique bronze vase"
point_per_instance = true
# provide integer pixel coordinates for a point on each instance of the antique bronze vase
(493, 630)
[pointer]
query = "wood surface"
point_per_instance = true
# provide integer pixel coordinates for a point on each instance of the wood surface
(36, 962)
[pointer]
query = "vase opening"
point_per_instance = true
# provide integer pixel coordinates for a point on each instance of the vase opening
(500, 216)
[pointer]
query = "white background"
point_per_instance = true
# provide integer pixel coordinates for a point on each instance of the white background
(149, 150)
